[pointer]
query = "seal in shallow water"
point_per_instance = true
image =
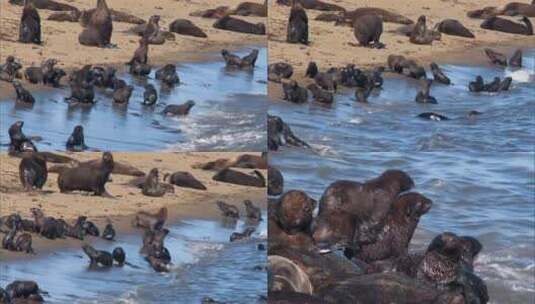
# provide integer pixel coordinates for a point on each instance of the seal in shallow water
(76, 142)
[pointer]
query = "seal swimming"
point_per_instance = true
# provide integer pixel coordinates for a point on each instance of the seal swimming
(181, 110)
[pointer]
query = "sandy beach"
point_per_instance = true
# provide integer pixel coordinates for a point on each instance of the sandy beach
(334, 46)
(184, 203)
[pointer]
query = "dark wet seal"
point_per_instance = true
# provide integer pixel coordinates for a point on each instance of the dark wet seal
(48, 226)
(122, 95)
(280, 134)
(101, 258)
(82, 88)
(239, 178)
(325, 80)
(275, 181)
(354, 212)
(496, 57)
(412, 69)
(153, 187)
(234, 61)
(30, 25)
(508, 26)
(294, 211)
(421, 35)
(287, 297)
(517, 8)
(154, 251)
(433, 116)
(362, 94)
(168, 75)
(91, 229)
(293, 92)
(47, 5)
(252, 212)
(395, 63)
(455, 28)
(87, 176)
(477, 85)
(23, 96)
(251, 9)
(23, 243)
(23, 292)
(180, 110)
(150, 221)
(228, 210)
(109, 232)
(297, 28)
(10, 69)
(438, 74)
(280, 70)
(245, 234)
(214, 13)
(150, 95)
(241, 26)
(184, 179)
(187, 28)
(423, 95)
(100, 27)
(18, 141)
(140, 69)
(76, 141)
(33, 172)
(320, 95)
(368, 30)
(315, 5)
(516, 60)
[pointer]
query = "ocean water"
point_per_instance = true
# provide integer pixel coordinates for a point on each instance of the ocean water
(205, 264)
(229, 114)
(389, 121)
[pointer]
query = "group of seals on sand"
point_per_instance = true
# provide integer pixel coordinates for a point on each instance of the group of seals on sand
(372, 223)
(492, 21)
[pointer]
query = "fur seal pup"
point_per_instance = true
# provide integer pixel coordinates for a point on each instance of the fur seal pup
(87, 176)
(168, 75)
(320, 95)
(280, 70)
(100, 27)
(438, 74)
(241, 26)
(275, 181)
(368, 30)
(496, 57)
(109, 232)
(141, 53)
(252, 212)
(101, 258)
(122, 95)
(395, 63)
(150, 221)
(30, 24)
(432, 116)
(187, 28)
(23, 243)
(420, 34)
(353, 212)
(297, 29)
(239, 178)
(48, 226)
(82, 88)
(153, 187)
(104, 76)
(18, 141)
(293, 92)
(454, 28)
(516, 60)
(152, 31)
(280, 134)
(423, 95)
(23, 96)
(508, 26)
(76, 142)
(150, 95)
(182, 109)
(234, 61)
(228, 210)
(33, 74)
(237, 236)
(10, 69)
(184, 179)
(119, 255)
(33, 172)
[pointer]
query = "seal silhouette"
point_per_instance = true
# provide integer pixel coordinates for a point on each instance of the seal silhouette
(368, 30)
(100, 27)
(297, 29)
(33, 172)
(30, 24)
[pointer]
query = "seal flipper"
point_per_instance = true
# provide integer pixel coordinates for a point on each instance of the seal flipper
(260, 176)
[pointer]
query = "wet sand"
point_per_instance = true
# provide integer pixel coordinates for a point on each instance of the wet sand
(184, 203)
(334, 46)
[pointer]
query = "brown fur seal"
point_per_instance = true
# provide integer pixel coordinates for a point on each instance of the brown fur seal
(293, 92)
(247, 232)
(30, 24)
(215, 13)
(153, 187)
(280, 70)
(168, 75)
(87, 177)
(423, 95)
(100, 27)
(297, 29)
(116, 16)
(76, 142)
(294, 211)
(368, 30)
(184, 179)
(353, 212)
(454, 28)
(484, 13)
(18, 141)
(181, 110)
(24, 292)
(33, 172)
(147, 220)
(420, 34)
(314, 4)
(23, 96)
(508, 26)
(240, 178)
(251, 9)
(517, 8)
(141, 53)
(496, 57)
(287, 297)
(228, 210)
(320, 95)
(241, 26)
(10, 69)
(252, 212)
(152, 32)
(385, 15)
(234, 61)
(70, 16)
(280, 134)
(186, 27)
(438, 74)
(47, 5)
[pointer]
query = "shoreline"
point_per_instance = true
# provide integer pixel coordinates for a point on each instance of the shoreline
(185, 203)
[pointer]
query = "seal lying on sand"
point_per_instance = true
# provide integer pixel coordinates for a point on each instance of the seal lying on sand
(314, 4)
(508, 26)
(87, 176)
(33, 172)
(420, 34)
(368, 30)
(251, 9)
(214, 13)
(116, 16)
(234, 61)
(297, 29)
(241, 26)
(30, 24)
(153, 187)
(385, 15)
(517, 8)
(454, 28)
(47, 5)
(280, 134)
(240, 178)
(184, 179)
(186, 27)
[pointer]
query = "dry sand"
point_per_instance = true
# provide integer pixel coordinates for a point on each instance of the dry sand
(184, 203)
(334, 46)
(60, 39)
